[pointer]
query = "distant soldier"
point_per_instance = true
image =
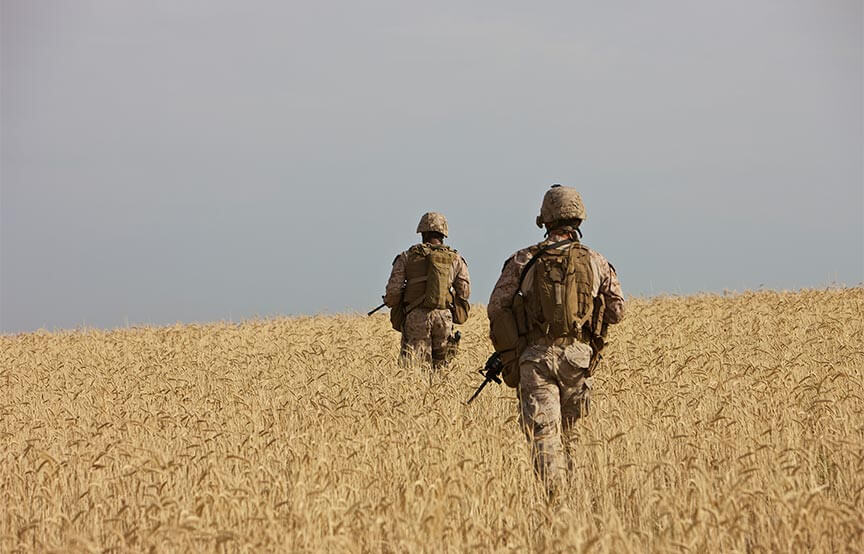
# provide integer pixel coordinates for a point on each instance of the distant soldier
(548, 315)
(427, 292)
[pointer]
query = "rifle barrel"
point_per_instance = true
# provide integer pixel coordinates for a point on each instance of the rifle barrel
(479, 389)
(376, 309)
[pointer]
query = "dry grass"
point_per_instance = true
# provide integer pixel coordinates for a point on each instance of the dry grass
(720, 424)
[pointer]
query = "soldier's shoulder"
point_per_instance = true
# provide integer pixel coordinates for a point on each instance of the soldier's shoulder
(524, 254)
(456, 255)
(402, 255)
(520, 257)
(600, 258)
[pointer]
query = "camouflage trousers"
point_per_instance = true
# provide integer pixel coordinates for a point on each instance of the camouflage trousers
(425, 337)
(554, 392)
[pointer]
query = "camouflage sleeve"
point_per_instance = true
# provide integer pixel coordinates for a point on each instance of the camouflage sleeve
(393, 291)
(502, 295)
(461, 279)
(610, 287)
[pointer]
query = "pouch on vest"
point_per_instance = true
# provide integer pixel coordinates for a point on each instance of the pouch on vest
(560, 300)
(397, 316)
(510, 366)
(519, 314)
(503, 331)
(460, 310)
(438, 279)
(550, 273)
(507, 341)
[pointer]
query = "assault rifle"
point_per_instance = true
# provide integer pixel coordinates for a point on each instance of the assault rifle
(376, 309)
(491, 372)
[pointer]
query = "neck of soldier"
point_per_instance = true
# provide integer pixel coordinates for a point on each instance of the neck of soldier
(434, 241)
(557, 235)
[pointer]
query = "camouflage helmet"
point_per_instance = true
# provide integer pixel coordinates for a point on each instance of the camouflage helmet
(561, 203)
(433, 222)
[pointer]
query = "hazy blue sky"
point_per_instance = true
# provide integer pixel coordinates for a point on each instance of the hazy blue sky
(186, 160)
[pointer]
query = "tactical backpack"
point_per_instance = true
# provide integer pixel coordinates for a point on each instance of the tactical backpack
(559, 303)
(428, 276)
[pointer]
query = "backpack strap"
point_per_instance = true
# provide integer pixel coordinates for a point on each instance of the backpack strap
(534, 259)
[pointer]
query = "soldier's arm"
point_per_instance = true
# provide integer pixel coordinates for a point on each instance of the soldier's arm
(610, 288)
(393, 291)
(502, 295)
(461, 279)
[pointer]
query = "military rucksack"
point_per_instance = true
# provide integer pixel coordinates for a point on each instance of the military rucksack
(553, 300)
(428, 276)
(557, 293)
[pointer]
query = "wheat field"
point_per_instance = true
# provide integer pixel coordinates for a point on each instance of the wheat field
(727, 423)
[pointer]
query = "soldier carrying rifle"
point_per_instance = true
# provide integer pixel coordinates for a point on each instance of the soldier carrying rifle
(548, 316)
(427, 292)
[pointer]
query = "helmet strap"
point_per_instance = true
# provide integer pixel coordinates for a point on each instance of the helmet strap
(568, 229)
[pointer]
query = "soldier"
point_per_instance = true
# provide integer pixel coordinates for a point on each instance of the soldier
(548, 315)
(427, 292)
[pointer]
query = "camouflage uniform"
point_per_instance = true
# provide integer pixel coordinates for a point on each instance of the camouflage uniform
(554, 384)
(427, 332)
